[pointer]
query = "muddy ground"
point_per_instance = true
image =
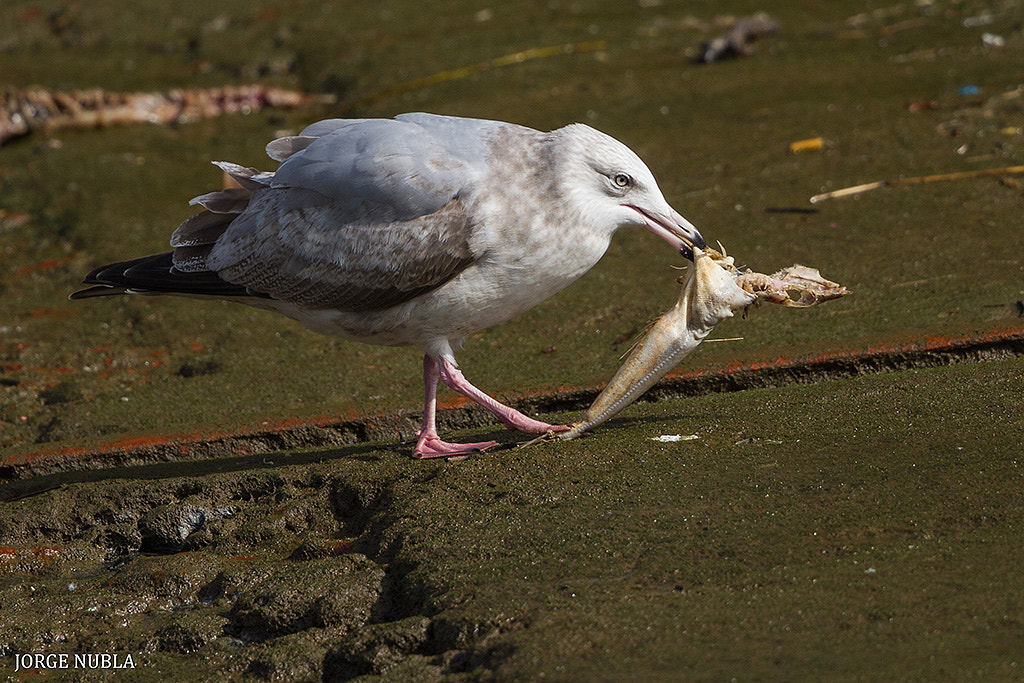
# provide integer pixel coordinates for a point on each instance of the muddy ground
(843, 503)
(866, 528)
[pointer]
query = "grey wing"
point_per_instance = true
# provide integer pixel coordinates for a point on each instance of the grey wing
(362, 267)
(366, 217)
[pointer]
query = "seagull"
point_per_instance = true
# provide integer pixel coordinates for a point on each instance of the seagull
(413, 231)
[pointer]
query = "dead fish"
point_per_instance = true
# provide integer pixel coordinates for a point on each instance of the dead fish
(713, 290)
(808, 283)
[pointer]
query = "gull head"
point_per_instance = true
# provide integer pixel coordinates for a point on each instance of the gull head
(611, 187)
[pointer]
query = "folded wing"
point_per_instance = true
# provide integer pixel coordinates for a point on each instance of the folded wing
(361, 215)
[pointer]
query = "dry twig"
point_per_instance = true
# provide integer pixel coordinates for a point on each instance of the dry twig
(857, 189)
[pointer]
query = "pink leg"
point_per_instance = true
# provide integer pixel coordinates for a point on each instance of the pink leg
(451, 376)
(430, 444)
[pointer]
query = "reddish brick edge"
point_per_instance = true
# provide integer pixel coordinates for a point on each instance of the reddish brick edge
(326, 431)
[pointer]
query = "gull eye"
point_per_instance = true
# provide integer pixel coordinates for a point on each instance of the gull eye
(622, 180)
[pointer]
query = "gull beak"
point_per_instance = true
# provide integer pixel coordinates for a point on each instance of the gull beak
(672, 228)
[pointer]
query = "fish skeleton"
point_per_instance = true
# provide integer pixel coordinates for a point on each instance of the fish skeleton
(712, 290)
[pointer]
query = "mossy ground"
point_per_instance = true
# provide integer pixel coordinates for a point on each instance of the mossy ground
(879, 539)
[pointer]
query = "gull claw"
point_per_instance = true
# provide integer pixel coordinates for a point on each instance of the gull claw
(434, 447)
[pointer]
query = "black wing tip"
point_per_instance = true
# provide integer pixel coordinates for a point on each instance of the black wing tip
(156, 274)
(97, 290)
(114, 279)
